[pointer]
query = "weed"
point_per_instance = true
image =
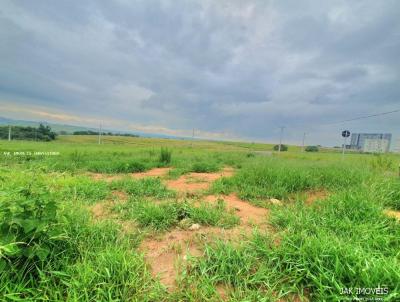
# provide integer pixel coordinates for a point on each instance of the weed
(165, 156)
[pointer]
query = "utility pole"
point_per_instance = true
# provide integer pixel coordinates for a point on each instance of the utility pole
(100, 134)
(192, 138)
(9, 132)
(280, 139)
(344, 146)
(304, 138)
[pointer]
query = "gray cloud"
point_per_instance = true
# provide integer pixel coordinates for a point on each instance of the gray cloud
(235, 67)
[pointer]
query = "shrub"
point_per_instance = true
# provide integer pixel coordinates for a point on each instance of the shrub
(29, 228)
(165, 156)
(312, 149)
(130, 167)
(283, 147)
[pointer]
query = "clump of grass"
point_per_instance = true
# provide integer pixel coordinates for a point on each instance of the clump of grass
(166, 215)
(269, 178)
(117, 167)
(342, 242)
(214, 215)
(81, 188)
(205, 167)
(382, 162)
(146, 187)
(165, 156)
(386, 191)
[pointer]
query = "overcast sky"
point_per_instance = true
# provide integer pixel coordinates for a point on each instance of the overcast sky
(229, 69)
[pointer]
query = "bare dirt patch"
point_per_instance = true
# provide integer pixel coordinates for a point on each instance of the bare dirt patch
(156, 172)
(194, 182)
(166, 254)
(313, 196)
(393, 214)
(102, 210)
(223, 291)
(120, 195)
(248, 213)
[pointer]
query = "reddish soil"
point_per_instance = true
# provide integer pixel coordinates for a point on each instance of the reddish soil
(99, 210)
(156, 172)
(313, 196)
(393, 214)
(102, 210)
(120, 196)
(194, 182)
(166, 253)
(248, 213)
(223, 290)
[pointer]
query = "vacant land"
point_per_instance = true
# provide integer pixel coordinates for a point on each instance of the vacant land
(141, 219)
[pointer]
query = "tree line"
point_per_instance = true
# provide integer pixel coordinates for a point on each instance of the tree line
(90, 132)
(41, 133)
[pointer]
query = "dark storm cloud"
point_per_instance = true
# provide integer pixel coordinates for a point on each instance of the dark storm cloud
(231, 67)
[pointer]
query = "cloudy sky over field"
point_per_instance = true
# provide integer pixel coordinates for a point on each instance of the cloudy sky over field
(229, 69)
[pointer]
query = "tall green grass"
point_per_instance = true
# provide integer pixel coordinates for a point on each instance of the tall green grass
(166, 215)
(272, 178)
(342, 242)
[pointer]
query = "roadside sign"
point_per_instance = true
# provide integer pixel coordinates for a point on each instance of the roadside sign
(345, 133)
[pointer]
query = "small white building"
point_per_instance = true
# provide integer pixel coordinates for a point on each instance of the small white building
(371, 142)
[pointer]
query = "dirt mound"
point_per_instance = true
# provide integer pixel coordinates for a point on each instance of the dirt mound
(156, 172)
(194, 182)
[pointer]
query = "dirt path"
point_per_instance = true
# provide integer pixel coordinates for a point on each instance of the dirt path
(156, 172)
(194, 182)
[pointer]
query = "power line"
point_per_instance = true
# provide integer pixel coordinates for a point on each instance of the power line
(364, 117)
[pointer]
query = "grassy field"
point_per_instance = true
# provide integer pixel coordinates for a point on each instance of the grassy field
(139, 219)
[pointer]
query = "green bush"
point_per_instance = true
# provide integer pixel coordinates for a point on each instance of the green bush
(283, 147)
(312, 149)
(29, 227)
(165, 156)
(130, 167)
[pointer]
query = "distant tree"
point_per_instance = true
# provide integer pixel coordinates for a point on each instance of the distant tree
(312, 149)
(42, 133)
(283, 148)
(90, 132)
